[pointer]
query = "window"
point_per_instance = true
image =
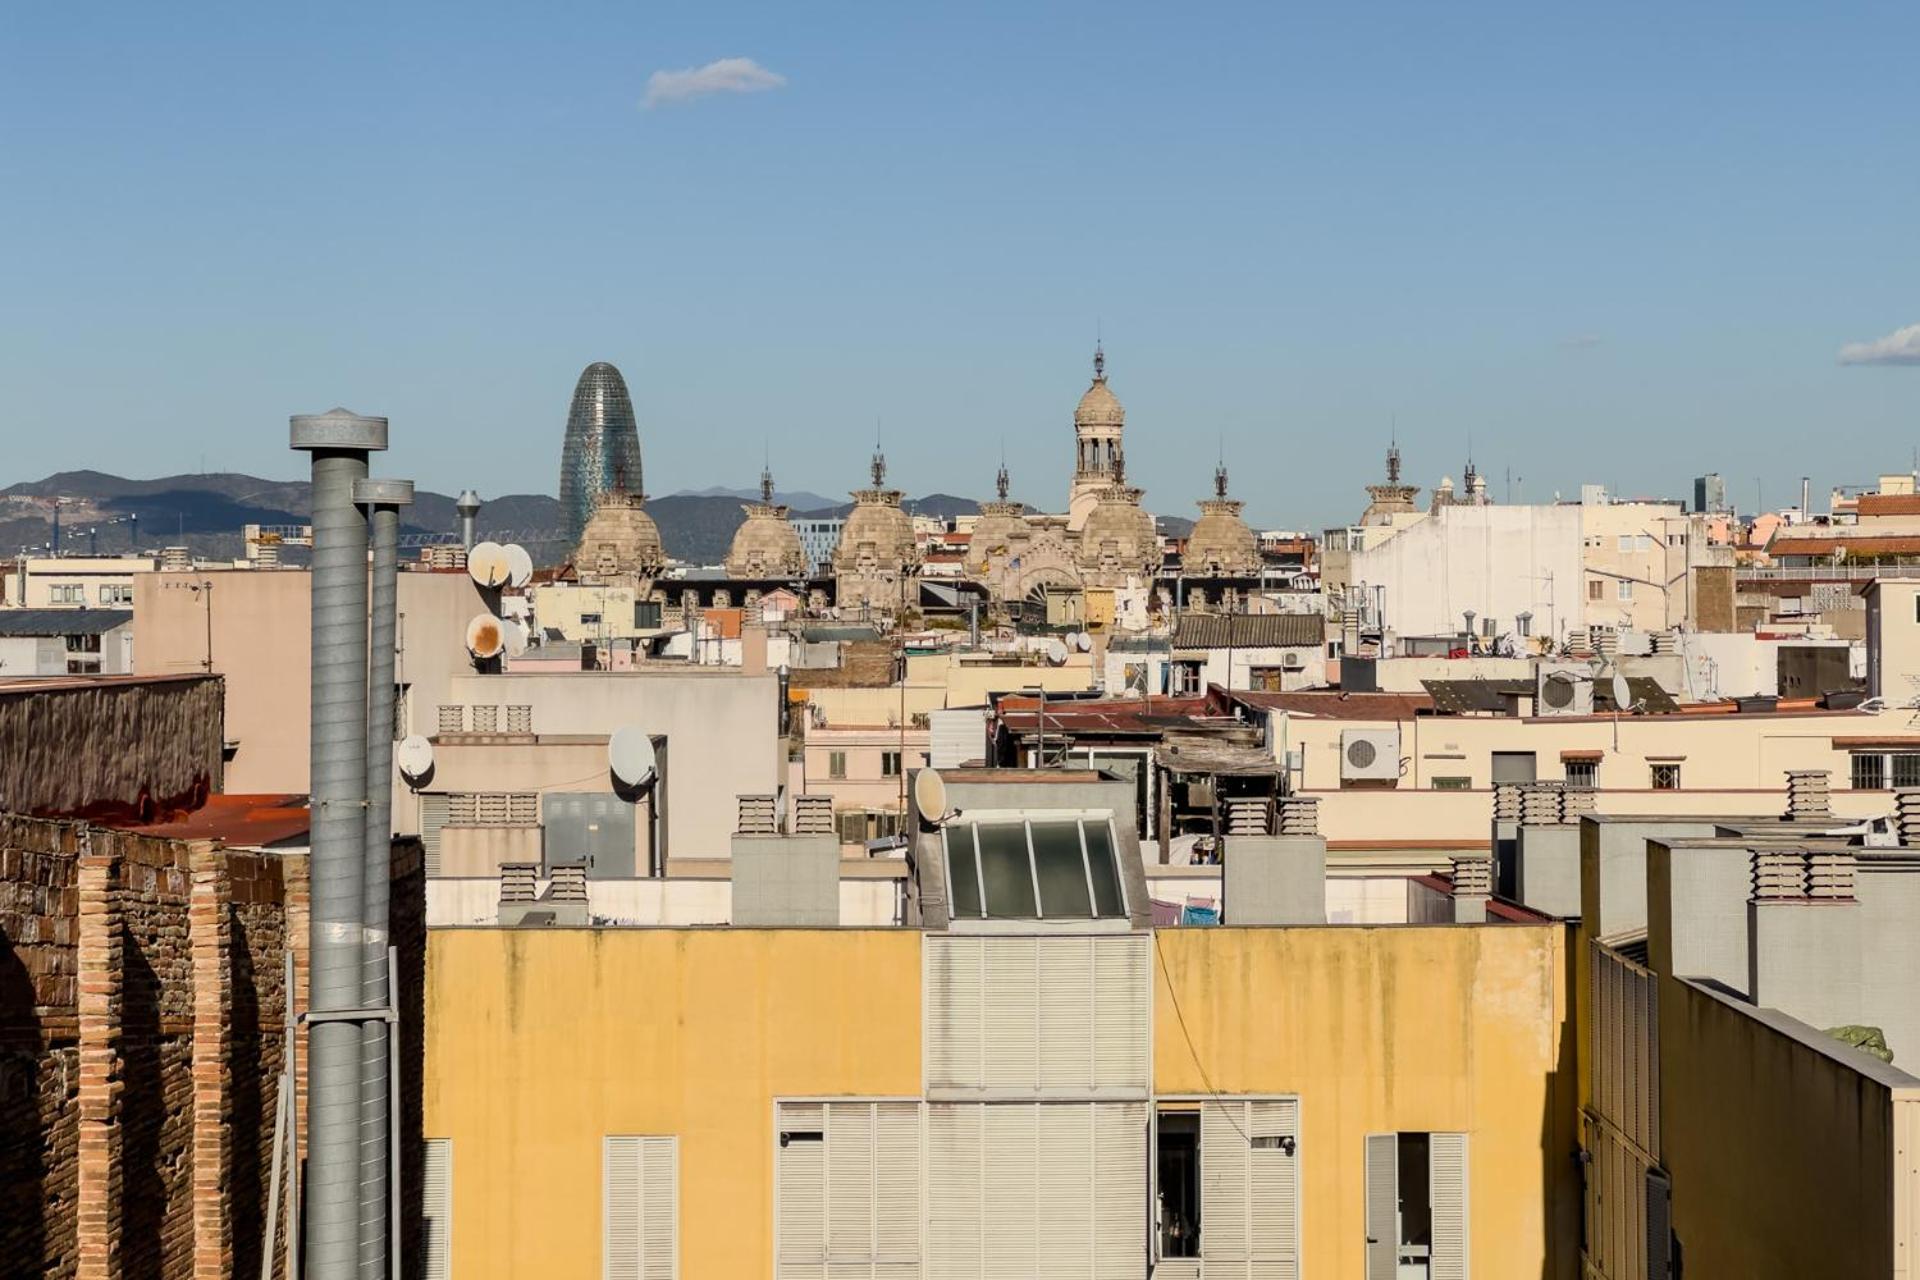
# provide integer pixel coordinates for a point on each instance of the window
(1227, 1185)
(646, 615)
(1453, 784)
(1596, 589)
(1032, 870)
(847, 1188)
(83, 644)
(1582, 773)
(1623, 589)
(1644, 542)
(1186, 677)
(589, 619)
(1877, 770)
(68, 593)
(640, 1210)
(436, 1216)
(1416, 1205)
(1626, 542)
(1666, 775)
(889, 764)
(83, 666)
(836, 764)
(116, 594)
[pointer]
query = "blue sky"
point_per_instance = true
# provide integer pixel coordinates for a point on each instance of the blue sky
(1623, 244)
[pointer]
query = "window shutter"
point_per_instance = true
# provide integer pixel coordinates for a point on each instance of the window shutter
(1273, 1184)
(1122, 995)
(1447, 1160)
(1383, 1206)
(953, 1011)
(1064, 1159)
(849, 1181)
(640, 1209)
(1065, 984)
(955, 1222)
(1659, 1226)
(1120, 1209)
(436, 1194)
(896, 1178)
(1010, 1203)
(801, 1215)
(1011, 1014)
(1223, 1185)
(433, 816)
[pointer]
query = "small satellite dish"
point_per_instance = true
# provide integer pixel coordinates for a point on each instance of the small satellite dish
(1056, 653)
(1083, 642)
(630, 758)
(519, 565)
(487, 565)
(930, 797)
(1622, 693)
(515, 635)
(486, 636)
(415, 757)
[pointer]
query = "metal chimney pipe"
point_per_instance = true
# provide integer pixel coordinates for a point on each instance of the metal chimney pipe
(468, 505)
(339, 442)
(383, 500)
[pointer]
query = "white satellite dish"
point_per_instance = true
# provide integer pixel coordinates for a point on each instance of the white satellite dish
(487, 565)
(930, 797)
(519, 565)
(486, 636)
(415, 758)
(1622, 693)
(1056, 653)
(515, 635)
(631, 759)
(1083, 642)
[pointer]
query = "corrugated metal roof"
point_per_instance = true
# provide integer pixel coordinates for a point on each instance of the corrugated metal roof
(62, 622)
(1335, 705)
(1459, 697)
(241, 820)
(1248, 630)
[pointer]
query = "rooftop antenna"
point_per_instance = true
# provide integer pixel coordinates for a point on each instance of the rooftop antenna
(1220, 470)
(766, 475)
(1099, 361)
(879, 463)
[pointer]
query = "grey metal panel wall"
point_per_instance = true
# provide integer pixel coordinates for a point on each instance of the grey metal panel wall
(591, 826)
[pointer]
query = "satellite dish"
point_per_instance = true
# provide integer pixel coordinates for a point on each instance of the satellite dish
(1056, 653)
(630, 758)
(415, 757)
(487, 565)
(486, 636)
(930, 797)
(515, 637)
(1622, 693)
(1083, 642)
(519, 565)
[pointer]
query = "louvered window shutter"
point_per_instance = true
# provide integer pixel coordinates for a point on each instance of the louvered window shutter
(1064, 1159)
(1122, 995)
(1065, 984)
(1447, 1180)
(1119, 1184)
(1659, 1226)
(849, 1183)
(896, 1179)
(640, 1209)
(801, 1216)
(1011, 1209)
(433, 816)
(956, 1226)
(1224, 1187)
(1273, 1195)
(1383, 1206)
(1011, 1014)
(953, 1011)
(436, 1194)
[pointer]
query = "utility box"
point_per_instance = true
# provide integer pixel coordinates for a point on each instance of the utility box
(791, 881)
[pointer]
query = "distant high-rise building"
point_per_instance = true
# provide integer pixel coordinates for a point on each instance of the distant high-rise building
(1709, 493)
(602, 449)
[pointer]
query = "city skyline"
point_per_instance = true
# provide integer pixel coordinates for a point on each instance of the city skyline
(1574, 246)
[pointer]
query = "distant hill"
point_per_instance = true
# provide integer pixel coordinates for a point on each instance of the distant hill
(798, 499)
(941, 506)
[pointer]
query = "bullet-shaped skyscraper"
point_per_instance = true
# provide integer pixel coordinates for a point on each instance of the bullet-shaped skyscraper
(602, 449)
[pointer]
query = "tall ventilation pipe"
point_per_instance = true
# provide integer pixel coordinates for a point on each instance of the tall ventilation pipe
(339, 442)
(468, 505)
(382, 500)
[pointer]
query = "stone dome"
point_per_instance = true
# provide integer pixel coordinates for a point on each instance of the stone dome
(1119, 537)
(999, 525)
(1221, 545)
(620, 540)
(766, 545)
(878, 535)
(1099, 407)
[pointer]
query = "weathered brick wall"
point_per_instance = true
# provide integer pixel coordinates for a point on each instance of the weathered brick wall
(256, 1027)
(39, 1047)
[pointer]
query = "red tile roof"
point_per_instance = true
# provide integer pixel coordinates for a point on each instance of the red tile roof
(1888, 504)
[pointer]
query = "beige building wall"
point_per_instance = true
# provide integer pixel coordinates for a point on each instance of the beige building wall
(52, 583)
(567, 606)
(260, 633)
(1893, 640)
(861, 751)
(1639, 560)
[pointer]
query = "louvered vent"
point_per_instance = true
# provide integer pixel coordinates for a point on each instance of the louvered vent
(1811, 875)
(436, 1208)
(813, 816)
(1808, 794)
(453, 718)
(484, 718)
(519, 718)
(757, 816)
(1299, 816)
(516, 881)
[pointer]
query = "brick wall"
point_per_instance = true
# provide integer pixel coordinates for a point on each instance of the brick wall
(142, 1012)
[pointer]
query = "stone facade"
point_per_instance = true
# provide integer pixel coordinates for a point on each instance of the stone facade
(142, 1008)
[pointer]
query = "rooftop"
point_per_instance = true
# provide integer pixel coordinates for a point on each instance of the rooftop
(257, 821)
(62, 622)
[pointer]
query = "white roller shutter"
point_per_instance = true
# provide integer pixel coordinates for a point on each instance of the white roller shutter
(1121, 1208)
(849, 1183)
(1122, 976)
(956, 1219)
(1249, 1189)
(436, 1194)
(433, 816)
(847, 1191)
(1447, 1189)
(1383, 1206)
(640, 1191)
(1065, 982)
(800, 1188)
(1063, 1154)
(1223, 1185)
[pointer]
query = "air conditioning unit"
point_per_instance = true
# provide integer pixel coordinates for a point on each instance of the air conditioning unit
(1368, 755)
(1293, 660)
(1563, 691)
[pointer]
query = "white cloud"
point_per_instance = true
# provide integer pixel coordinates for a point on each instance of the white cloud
(1902, 346)
(727, 75)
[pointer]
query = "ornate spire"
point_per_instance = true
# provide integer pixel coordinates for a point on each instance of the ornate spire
(1393, 463)
(878, 467)
(1099, 363)
(766, 485)
(1220, 480)
(1000, 481)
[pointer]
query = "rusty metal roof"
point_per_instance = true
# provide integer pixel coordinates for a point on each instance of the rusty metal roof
(249, 821)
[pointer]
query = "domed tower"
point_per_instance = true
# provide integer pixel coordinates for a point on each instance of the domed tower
(876, 558)
(1221, 545)
(998, 528)
(621, 543)
(1118, 541)
(1392, 498)
(1098, 424)
(601, 452)
(766, 545)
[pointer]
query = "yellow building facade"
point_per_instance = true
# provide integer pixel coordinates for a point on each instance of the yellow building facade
(548, 1049)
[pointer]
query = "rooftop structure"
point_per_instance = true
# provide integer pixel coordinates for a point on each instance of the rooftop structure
(601, 452)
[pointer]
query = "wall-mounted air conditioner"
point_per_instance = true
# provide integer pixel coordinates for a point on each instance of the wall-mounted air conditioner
(1293, 660)
(1368, 755)
(1563, 691)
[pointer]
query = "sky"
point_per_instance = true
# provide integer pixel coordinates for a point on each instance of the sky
(1620, 244)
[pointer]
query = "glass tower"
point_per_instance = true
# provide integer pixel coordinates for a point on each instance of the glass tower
(602, 448)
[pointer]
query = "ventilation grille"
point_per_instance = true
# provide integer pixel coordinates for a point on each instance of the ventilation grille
(1907, 814)
(1802, 875)
(757, 816)
(813, 816)
(516, 881)
(1472, 877)
(453, 719)
(519, 719)
(569, 883)
(1249, 816)
(485, 719)
(1808, 794)
(1300, 816)
(1506, 802)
